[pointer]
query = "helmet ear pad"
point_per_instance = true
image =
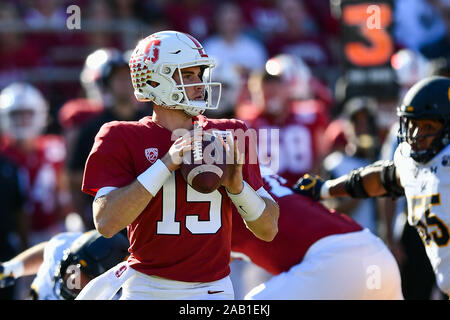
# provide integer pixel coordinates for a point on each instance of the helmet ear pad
(153, 89)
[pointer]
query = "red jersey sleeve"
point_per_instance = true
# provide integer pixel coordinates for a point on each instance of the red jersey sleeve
(109, 163)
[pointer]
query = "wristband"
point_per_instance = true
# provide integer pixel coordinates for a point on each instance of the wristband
(154, 177)
(325, 190)
(14, 268)
(248, 203)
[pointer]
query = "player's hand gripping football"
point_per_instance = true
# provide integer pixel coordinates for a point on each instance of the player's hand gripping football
(6, 280)
(234, 180)
(174, 157)
(309, 185)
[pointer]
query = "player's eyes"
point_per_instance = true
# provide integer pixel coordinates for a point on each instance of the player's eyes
(192, 78)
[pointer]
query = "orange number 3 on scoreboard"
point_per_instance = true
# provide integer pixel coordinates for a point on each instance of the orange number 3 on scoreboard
(381, 44)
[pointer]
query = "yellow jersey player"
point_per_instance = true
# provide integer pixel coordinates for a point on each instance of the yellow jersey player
(420, 171)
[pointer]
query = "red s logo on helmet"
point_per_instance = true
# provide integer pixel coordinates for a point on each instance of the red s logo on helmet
(155, 53)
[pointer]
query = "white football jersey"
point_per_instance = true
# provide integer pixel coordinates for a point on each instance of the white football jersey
(427, 190)
(53, 253)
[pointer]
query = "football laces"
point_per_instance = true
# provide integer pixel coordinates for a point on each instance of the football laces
(197, 151)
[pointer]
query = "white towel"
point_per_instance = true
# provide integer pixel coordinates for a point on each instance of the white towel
(106, 285)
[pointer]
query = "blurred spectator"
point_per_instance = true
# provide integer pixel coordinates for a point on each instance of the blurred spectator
(410, 66)
(13, 221)
(18, 54)
(125, 9)
(360, 129)
(37, 46)
(45, 20)
(438, 45)
(134, 18)
(282, 102)
(233, 81)
(262, 17)
(24, 113)
(386, 99)
(320, 10)
(230, 45)
(62, 50)
(101, 21)
(300, 37)
(46, 14)
(72, 116)
(440, 67)
(416, 23)
(191, 16)
(334, 137)
(106, 72)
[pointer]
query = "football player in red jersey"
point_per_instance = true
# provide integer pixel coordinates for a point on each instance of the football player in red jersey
(40, 156)
(180, 239)
(317, 254)
(295, 120)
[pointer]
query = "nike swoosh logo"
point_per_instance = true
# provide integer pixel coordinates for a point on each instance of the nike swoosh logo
(242, 209)
(213, 292)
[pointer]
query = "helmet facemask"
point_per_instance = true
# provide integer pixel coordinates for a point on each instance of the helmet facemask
(69, 263)
(196, 107)
(176, 96)
(441, 139)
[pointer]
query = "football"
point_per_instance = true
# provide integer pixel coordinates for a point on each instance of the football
(204, 168)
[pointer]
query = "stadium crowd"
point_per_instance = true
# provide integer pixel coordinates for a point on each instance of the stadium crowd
(281, 66)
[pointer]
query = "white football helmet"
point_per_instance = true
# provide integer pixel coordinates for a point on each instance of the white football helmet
(23, 111)
(157, 57)
(97, 70)
(294, 72)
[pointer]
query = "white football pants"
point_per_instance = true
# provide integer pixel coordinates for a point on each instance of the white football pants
(349, 266)
(143, 287)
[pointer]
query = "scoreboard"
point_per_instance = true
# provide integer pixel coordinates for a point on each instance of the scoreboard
(367, 45)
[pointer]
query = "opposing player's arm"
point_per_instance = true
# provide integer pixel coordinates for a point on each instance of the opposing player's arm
(116, 208)
(24, 264)
(378, 179)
